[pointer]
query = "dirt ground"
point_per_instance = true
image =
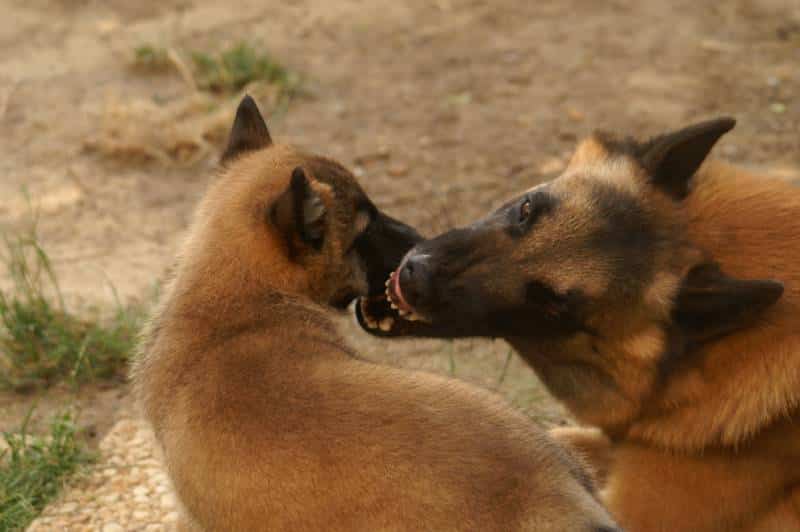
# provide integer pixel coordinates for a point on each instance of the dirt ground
(445, 107)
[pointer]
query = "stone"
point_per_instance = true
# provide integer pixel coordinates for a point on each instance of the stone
(168, 501)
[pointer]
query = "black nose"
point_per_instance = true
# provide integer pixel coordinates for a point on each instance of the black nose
(415, 278)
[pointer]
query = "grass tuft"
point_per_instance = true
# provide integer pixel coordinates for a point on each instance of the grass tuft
(151, 58)
(223, 72)
(41, 342)
(34, 469)
(232, 69)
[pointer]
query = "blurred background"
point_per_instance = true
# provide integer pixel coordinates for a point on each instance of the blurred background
(113, 113)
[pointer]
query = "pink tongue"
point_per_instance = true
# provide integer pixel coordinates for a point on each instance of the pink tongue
(400, 301)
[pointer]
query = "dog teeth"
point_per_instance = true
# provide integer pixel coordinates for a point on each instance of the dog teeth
(389, 280)
(386, 324)
(394, 306)
(413, 317)
(372, 324)
(402, 312)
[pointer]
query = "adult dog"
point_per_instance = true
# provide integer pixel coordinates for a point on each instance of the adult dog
(646, 290)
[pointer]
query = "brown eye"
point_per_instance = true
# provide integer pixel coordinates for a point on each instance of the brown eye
(525, 211)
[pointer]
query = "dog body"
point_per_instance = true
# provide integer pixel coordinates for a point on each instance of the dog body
(720, 440)
(268, 420)
(641, 287)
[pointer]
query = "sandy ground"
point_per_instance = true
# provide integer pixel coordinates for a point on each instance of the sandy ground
(444, 107)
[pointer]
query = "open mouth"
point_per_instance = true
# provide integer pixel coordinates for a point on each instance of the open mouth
(389, 312)
(394, 294)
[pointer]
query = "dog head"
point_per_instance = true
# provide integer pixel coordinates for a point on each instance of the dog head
(593, 272)
(295, 221)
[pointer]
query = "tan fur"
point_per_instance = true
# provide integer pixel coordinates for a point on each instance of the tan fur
(713, 445)
(268, 421)
(591, 444)
(656, 297)
(751, 225)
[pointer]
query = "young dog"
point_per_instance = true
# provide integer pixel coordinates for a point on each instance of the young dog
(266, 417)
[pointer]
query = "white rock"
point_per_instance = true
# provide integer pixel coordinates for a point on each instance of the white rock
(110, 498)
(168, 500)
(69, 508)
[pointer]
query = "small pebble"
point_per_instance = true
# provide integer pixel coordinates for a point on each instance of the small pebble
(69, 508)
(168, 501)
(397, 170)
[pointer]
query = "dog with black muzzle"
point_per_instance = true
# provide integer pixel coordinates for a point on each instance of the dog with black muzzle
(266, 417)
(646, 289)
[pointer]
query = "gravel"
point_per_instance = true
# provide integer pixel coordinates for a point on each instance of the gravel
(126, 490)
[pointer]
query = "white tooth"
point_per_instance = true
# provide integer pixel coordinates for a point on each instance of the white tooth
(386, 324)
(393, 305)
(372, 324)
(402, 312)
(413, 317)
(389, 280)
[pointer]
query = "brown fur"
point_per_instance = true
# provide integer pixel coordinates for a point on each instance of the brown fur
(713, 444)
(654, 316)
(268, 420)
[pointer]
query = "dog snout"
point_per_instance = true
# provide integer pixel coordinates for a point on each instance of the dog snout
(415, 278)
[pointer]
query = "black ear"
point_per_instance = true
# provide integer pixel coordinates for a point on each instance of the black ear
(672, 159)
(249, 131)
(299, 212)
(711, 304)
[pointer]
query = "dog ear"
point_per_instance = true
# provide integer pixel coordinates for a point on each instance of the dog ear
(299, 212)
(249, 131)
(711, 304)
(672, 159)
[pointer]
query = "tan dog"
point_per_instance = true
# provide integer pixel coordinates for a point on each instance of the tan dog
(269, 421)
(641, 289)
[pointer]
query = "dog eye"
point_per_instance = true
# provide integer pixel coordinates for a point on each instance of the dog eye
(525, 211)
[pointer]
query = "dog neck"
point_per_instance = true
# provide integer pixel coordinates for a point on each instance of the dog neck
(725, 392)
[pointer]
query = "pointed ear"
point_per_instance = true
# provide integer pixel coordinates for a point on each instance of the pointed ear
(249, 131)
(672, 159)
(299, 213)
(711, 304)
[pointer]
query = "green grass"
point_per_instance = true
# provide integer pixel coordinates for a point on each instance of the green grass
(232, 69)
(504, 371)
(34, 469)
(223, 72)
(41, 341)
(152, 58)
